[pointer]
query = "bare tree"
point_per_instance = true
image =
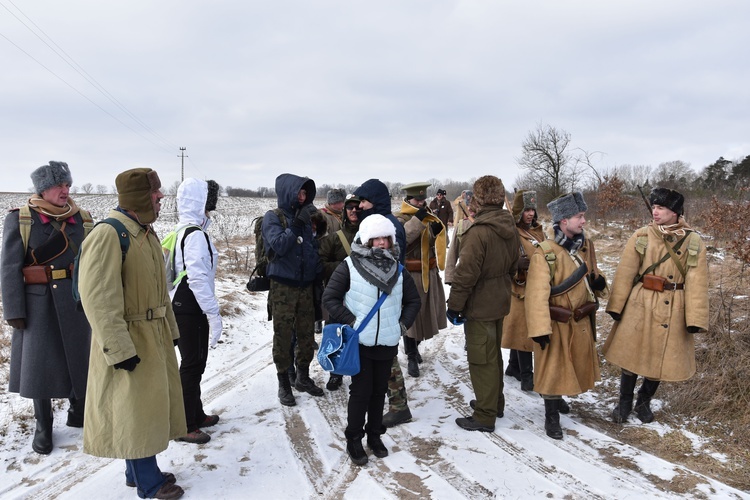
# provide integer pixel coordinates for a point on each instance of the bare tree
(172, 190)
(545, 155)
(673, 175)
(87, 188)
(101, 189)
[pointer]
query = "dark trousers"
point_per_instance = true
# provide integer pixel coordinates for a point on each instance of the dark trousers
(367, 396)
(193, 344)
(145, 473)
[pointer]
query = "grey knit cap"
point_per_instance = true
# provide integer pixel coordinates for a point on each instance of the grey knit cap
(47, 176)
(335, 196)
(566, 206)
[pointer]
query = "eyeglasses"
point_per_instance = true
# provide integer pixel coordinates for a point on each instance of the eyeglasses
(352, 208)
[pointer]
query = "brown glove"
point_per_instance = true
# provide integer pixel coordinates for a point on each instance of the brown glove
(17, 323)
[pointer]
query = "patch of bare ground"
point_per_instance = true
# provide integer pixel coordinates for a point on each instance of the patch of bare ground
(709, 414)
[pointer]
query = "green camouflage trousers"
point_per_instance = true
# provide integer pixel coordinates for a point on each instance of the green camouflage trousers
(292, 310)
(486, 368)
(396, 388)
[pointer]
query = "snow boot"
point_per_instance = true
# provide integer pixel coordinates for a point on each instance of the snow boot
(643, 404)
(42, 442)
(75, 412)
(305, 384)
(513, 370)
(552, 418)
(396, 417)
(285, 390)
(410, 347)
(354, 447)
(526, 370)
(375, 443)
(334, 382)
(625, 405)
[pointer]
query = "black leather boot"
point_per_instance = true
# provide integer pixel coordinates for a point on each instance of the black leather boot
(552, 418)
(42, 442)
(625, 405)
(354, 447)
(305, 384)
(410, 347)
(75, 412)
(513, 370)
(526, 367)
(285, 390)
(643, 404)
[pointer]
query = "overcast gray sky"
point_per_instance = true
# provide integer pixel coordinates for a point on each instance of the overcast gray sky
(342, 91)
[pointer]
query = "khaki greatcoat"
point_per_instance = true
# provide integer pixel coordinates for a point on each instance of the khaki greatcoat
(651, 339)
(134, 414)
(515, 333)
(569, 365)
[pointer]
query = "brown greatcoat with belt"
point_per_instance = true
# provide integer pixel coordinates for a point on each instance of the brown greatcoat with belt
(651, 339)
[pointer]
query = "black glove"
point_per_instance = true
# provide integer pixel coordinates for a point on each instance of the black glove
(455, 317)
(128, 364)
(421, 213)
(598, 283)
(693, 329)
(176, 342)
(436, 227)
(615, 316)
(523, 263)
(17, 323)
(302, 219)
(543, 341)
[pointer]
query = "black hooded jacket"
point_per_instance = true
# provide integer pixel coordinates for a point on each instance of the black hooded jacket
(377, 193)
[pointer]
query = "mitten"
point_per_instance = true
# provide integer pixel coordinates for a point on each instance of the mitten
(128, 364)
(598, 283)
(455, 317)
(17, 323)
(215, 327)
(421, 213)
(542, 340)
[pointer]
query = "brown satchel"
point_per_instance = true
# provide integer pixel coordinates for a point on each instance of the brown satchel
(560, 314)
(585, 310)
(653, 282)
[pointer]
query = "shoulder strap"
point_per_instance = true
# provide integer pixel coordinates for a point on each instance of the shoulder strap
(88, 221)
(189, 230)
(345, 243)
(122, 233)
(377, 305)
(549, 256)
(24, 224)
(656, 264)
(280, 214)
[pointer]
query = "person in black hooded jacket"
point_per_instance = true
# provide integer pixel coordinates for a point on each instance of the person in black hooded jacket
(293, 266)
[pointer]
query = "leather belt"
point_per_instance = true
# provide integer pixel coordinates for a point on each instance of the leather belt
(674, 286)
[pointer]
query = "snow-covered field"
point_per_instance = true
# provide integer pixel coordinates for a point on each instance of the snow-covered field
(261, 449)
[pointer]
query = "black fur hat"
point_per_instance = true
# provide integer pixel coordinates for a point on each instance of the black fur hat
(213, 195)
(667, 198)
(47, 176)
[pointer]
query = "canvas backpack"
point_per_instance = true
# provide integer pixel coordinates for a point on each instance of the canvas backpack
(168, 245)
(262, 255)
(124, 237)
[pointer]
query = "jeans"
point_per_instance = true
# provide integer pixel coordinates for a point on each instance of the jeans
(145, 473)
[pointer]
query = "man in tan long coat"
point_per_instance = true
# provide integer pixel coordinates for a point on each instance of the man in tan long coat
(515, 338)
(425, 254)
(134, 396)
(659, 300)
(560, 308)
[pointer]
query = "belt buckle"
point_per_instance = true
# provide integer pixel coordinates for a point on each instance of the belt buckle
(59, 274)
(150, 315)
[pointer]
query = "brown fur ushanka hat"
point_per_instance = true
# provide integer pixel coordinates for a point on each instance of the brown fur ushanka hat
(488, 190)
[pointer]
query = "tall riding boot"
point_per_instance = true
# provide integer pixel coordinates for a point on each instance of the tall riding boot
(410, 347)
(42, 442)
(552, 418)
(513, 370)
(643, 404)
(305, 384)
(625, 405)
(526, 367)
(75, 412)
(285, 390)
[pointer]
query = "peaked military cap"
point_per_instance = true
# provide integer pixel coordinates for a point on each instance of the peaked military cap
(416, 190)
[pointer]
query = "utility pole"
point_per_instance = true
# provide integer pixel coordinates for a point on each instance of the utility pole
(182, 170)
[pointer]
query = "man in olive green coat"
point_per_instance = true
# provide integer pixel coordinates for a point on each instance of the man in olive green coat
(134, 393)
(480, 298)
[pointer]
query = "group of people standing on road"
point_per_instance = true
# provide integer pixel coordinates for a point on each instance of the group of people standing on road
(113, 354)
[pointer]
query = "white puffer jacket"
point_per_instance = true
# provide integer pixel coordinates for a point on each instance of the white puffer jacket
(197, 258)
(383, 328)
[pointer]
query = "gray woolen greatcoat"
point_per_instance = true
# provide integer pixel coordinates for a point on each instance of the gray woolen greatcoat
(50, 358)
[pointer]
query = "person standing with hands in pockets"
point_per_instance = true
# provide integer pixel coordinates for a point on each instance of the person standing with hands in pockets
(194, 301)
